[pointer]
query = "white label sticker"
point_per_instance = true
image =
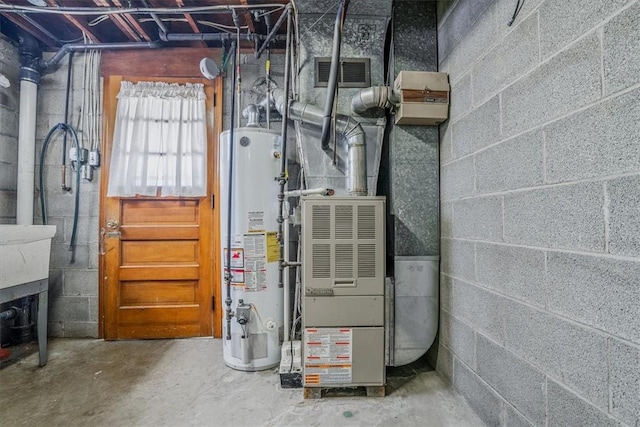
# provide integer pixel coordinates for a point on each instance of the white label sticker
(256, 220)
(255, 261)
(328, 356)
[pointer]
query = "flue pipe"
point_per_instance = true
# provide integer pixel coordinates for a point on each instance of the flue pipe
(348, 127)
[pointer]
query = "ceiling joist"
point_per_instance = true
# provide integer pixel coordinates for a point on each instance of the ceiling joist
(120, 22)
(25, 25)
(133, 22)
(78, 22)
(247, 16)
(192, 23)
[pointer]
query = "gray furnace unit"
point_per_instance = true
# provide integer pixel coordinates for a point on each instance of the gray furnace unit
(343, 258)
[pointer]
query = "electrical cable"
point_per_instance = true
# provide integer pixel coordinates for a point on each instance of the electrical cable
(519, 5)
(43, 205)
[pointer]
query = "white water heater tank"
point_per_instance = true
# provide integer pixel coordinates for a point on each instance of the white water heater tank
(257, 300)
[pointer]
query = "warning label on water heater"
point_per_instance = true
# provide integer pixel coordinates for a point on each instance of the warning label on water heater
(328, 356)
(255, 262)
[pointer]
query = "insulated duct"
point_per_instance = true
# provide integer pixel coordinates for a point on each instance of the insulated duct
(346, 126)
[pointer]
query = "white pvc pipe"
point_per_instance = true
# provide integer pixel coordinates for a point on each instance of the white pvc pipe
(309, 192)
(26, 152)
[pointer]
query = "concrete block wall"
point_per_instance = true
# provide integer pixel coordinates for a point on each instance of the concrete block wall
(9, 106)
(73, 277)
(540, 208)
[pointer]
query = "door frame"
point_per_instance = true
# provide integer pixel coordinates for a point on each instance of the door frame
(111, 87)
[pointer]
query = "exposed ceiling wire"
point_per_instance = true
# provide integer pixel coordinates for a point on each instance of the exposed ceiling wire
(88, 11)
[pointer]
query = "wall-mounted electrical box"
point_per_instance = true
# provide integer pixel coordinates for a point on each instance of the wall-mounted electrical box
(424, 98)
(343, 254)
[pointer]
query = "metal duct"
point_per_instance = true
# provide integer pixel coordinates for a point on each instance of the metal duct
(252, 114)
(373, 97)
(345, 125)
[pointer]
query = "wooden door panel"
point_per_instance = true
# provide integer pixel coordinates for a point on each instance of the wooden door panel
(159, 252)
(160, 272)
(145, 211)
(159, 232)
(163, 292)
(159, 266)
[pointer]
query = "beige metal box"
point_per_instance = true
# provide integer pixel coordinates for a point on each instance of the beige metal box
(424, 98)
(343, 274)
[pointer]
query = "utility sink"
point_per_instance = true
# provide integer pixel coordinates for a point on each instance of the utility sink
(24, 270)
(24, 253)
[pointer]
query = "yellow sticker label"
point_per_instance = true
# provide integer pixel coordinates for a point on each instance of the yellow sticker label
(273, 248)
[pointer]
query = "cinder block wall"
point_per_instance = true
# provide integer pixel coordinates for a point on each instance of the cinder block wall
(73, 280)
(540, 205)
(9, 106)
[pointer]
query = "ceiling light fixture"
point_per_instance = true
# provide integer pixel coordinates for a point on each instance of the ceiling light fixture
(40, 3)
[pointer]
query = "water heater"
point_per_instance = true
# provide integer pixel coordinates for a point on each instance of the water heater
(257, 299)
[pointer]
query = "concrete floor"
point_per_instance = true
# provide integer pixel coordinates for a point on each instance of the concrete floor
(184, 382)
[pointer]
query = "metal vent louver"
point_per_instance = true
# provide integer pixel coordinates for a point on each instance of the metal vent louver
(366, 260)
(353, 72)
(344, 222)
(344, 261)
(321, 222)
(366, 222)
(321, 261)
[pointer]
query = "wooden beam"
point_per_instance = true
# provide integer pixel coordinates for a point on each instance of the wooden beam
(192, 23)
(134, 22)
(120, 22)
(163, 62)
(82, 25)
(247, 16)
(29, 28)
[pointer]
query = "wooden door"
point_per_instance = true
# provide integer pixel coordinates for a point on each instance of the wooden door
(159, 254)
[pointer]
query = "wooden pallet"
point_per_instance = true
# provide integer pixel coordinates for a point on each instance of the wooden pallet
(320, 392)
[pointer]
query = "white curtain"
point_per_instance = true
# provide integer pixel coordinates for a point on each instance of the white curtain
(159, 141)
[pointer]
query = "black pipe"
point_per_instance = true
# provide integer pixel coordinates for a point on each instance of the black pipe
(47, 66)
(180, 37)
(9, 314)
(65, 187)
(227, 277)
(274, 30)
(332, 84)
(282, 180)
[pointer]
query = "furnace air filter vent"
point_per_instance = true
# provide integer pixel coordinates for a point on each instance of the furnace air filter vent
(353, 72)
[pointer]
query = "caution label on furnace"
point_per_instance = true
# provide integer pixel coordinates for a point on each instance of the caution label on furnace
(327, 356)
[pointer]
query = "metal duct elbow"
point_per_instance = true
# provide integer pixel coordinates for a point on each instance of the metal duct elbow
(373, 97)
(346, 126)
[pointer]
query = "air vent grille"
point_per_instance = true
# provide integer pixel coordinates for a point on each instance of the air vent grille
(366, 222)
(366, 260)
(321, 222)
(344, 222)
(344, 261)
(321, 261)
(353, 72)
